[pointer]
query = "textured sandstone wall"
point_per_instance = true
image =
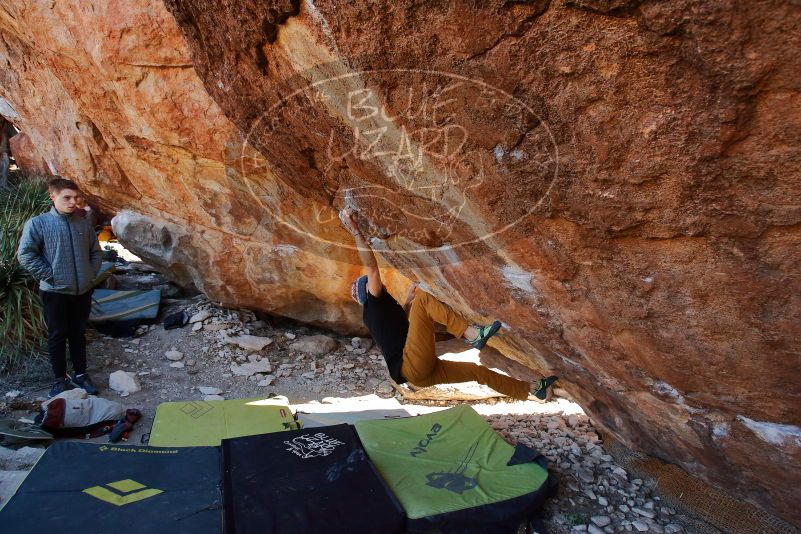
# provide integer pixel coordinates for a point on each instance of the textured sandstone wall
(27, 156)
(617, 180)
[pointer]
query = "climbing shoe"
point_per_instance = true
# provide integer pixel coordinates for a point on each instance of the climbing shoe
(61, 385)
(542, 390)
(484, 333)
(83, 381)
(124, 426)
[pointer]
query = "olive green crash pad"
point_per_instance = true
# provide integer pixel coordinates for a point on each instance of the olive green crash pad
(449, 462)
(200, 423)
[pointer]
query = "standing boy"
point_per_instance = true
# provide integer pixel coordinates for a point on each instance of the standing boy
(61, 250)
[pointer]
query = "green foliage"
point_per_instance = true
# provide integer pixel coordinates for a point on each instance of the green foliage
(22, 325)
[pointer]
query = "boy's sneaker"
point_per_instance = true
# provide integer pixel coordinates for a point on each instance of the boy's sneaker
(61, 385)
(542, 389)
(83, 381)
(484, 333)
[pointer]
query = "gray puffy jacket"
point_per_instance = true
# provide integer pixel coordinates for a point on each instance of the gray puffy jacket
(61, 251)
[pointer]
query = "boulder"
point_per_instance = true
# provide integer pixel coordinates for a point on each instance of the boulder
(248, 342)
(317, 344)
(361, 343)
(251, 368)
(123, 382)
(200, 316)
(174, 355)
(266, 381)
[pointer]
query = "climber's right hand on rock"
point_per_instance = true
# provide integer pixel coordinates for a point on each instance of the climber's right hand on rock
(348, 218)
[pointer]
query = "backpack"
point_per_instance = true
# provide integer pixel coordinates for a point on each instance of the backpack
(87, 417)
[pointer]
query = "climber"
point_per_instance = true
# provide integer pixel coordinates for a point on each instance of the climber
(405, 334)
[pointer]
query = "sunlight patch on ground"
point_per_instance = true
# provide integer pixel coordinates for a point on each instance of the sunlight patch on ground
(121, 251)
(557, 406)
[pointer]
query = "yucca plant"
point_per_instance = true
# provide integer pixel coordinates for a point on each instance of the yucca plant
(22, 325)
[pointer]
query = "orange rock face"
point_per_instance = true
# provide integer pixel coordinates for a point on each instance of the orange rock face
(618, 181)
(27, 156)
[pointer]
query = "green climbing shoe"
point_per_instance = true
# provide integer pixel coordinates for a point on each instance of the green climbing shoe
(542, 389)
(484, 333)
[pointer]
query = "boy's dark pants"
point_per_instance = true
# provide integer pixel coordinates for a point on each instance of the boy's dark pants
(66, 317)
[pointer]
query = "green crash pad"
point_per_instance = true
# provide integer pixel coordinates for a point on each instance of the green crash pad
(446, 462)
(206, 423)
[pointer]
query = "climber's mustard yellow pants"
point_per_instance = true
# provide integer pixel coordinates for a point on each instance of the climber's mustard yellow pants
(421, 366)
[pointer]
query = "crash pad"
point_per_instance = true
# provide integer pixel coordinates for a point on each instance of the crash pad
(205, 423)
(109, 305)
(449, 470)
(90, 488)
(17, 430)
(107, 268)
(305, 482)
